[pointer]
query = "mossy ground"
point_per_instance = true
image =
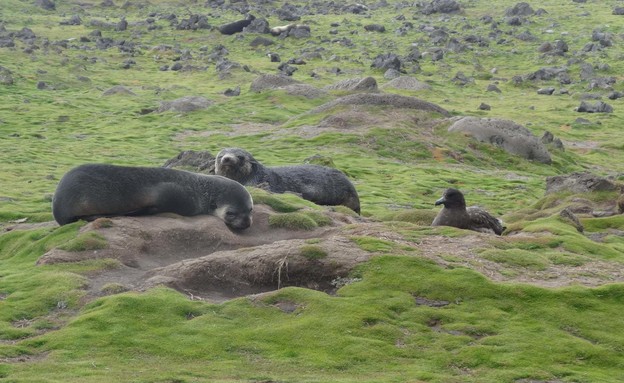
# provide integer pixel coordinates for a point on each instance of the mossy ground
(372, 330)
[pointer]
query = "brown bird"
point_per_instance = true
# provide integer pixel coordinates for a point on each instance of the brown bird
(454, 213)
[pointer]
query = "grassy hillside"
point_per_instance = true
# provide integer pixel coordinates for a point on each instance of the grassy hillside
(541, 305)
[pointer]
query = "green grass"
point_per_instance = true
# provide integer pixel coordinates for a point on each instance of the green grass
(372, 330)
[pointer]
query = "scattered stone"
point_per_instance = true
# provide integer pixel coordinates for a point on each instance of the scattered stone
(462, 80)
(375, 28)
(547, 91)
(258, 26)
(270, 81)
(185, 104)
(619, 11)
(387, 61)
(407, 83)
(366, 84)
(48, 5)
(579, 182)
(118, 90)
(74, 20)
(598, 107)
(484, 106)
(391, 74)
(261, 41)
(520, 9)
(493, 88)
(232, 92)
(441, 6)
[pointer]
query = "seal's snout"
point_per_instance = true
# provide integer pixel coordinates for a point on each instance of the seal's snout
(240, 224)
(228, 160)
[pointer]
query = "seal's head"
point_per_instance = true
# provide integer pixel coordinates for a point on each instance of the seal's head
(235, 163)
(235, 207)
(452, 198)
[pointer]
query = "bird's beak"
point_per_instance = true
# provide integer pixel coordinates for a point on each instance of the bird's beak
(440, 201)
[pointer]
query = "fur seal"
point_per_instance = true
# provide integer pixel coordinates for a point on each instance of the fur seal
(454, 213)
(276, 31)
(319, 184)
(91, 191)
(236, 26)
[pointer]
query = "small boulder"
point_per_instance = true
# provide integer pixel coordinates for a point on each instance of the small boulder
(508, 135)
(185, 104)
(579, 182)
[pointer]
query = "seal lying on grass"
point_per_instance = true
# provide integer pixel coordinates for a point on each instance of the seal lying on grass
(319, 184)
(95, 190)
(454, 213)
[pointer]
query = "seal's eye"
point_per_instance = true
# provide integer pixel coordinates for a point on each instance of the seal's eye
(241, 158)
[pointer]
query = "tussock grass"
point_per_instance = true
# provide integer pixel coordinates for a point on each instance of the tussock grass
(372, 330)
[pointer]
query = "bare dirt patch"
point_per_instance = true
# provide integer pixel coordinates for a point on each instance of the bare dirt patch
(201, 256)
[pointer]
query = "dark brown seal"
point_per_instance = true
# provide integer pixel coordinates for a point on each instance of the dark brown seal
(96, 190)
(319, 184)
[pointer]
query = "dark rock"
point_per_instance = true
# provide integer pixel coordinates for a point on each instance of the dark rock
(357, 9)
(547, 138)
(598, 107)
(288, 12)
(526, 36)
(232, 92)
(547, 91)
(48, 5)
(601, 83)
(493, 88)
(194, 22)
(300, 32)
(558, 144)
(274, 57)
(261, 41)
(619, 11)
(74, 20)
(579, 182)
(441, 6)
(257, 26)
(546, 74)
(375, 28)
(6, 76)
(520, 9)
(513, 21)
(26, 34)
(484, 106)
(41, 85)
(391, 74)
(387, 61)
(122, 25)
(176, 67)
(287, 69)
(615, 95)
(461, 79)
